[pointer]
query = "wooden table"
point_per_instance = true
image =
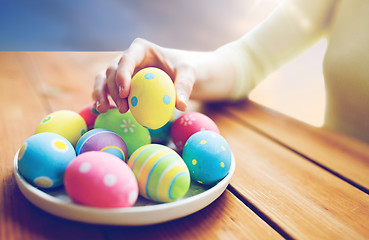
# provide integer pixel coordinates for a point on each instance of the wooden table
(291, 181)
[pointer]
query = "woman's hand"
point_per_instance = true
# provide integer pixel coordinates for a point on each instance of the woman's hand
(207, 76)
(116, 80)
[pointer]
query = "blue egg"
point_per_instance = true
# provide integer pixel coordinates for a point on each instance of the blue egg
(207, 156)
(162, 135)
(43, 158)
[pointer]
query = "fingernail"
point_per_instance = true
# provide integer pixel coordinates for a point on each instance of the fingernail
(118, 102)
(120, 89)
(182, 102)
(97, 104)
(182, 98)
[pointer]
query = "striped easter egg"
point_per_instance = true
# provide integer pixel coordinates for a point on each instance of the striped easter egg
(161, 173)
(103, 140)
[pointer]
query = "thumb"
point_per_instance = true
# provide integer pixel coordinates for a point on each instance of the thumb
(183, 83)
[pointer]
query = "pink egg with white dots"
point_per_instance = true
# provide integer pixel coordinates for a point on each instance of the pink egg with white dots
(188, 124)
(100, 179)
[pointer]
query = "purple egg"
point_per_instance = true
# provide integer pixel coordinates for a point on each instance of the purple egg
(102, 140)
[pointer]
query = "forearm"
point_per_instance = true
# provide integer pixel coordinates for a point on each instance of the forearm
(292, 28)
(214, 73)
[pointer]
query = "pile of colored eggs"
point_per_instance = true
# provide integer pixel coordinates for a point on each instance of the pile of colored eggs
(107, 160)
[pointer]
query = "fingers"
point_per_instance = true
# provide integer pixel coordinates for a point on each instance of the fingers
(141, 54)
(183, 83)
(111, 73)
(130, 62)
(117, 80)
(100, 94)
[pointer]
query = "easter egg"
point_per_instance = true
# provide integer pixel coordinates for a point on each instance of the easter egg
(188, 124)
(66, 123)
(100, 179)
(207, 156)
(133, 134)
(103, 140)
(152, 97)
(89, 114)
(43, 158)
(161, 173)
(162, 134)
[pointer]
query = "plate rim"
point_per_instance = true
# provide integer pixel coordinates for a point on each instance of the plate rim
(130, 216)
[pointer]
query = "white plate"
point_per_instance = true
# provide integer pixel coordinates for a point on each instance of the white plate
(144, 212)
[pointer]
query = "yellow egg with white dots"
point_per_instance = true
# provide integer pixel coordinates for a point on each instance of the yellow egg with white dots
(66, 123)
(152, 97)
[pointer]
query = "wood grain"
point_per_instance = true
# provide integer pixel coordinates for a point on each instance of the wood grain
(345, 156)
(226, 218)
(34, 84)
(305, 200)
(21, 110)
(64, 80)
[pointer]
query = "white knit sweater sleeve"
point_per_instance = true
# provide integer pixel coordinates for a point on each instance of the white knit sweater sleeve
(293, 26)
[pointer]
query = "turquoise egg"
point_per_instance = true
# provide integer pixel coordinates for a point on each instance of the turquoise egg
(162, 135)
(43, 159)
(207, 156)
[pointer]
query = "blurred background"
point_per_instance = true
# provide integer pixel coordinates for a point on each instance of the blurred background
(89, 25)
(296, 89)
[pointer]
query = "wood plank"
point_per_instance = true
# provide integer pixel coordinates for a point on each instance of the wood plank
(346, 157)
(21, 111)
(64, 81)
(306, 201)
(226, 218)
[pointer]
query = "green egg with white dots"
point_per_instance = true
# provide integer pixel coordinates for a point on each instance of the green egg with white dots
(126, 126)
(207, 156)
